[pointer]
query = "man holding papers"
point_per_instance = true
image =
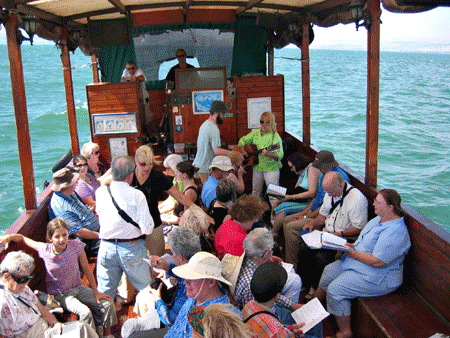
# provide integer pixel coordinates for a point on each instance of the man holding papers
(343, 213)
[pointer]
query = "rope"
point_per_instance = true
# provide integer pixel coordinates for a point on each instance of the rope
(295, 59)
(76, 67)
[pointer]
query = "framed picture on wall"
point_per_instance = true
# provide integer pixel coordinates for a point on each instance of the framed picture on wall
(117, 147)
(114, 123)
(202, 100)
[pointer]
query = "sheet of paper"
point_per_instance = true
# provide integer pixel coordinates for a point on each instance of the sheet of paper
(311, 314)
(276, 189)
(333, 242)
(313, 239)
(287, 266)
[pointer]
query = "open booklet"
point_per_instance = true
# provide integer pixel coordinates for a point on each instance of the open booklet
(312, 313)
(319, 239)
(276, 191)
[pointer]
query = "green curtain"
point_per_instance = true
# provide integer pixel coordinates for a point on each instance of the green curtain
(249, 52)
(113, 60)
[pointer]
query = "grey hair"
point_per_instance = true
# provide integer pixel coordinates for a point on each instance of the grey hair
(196, 219)
(226, 190)
(257, 242)
(184, 241)
(16, 261)
(121, 167)
(88, 149)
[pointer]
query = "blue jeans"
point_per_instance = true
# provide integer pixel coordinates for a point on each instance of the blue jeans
(116, 258)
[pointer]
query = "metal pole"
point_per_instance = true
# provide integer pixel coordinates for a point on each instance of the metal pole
(95, 68)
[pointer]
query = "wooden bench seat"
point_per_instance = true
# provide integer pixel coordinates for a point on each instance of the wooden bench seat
(402, 314)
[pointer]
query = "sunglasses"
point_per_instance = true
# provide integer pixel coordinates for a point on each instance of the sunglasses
(264, 122)
(96, 152)
(181, 56)
(130, 68)
(23, 279)
(81, 165)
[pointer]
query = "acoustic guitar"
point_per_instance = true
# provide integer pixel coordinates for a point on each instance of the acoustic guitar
(251, 159)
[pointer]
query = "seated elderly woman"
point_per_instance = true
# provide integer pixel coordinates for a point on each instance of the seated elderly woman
(226, 195)
(229, 238)
(373, 266)
(87, 184)
(197, 220)
(91, 152)
(184, 243)
(22, 315)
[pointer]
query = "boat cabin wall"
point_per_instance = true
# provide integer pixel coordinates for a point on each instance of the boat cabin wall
(113, 106)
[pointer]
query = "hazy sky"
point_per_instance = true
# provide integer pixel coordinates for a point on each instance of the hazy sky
(427, 31)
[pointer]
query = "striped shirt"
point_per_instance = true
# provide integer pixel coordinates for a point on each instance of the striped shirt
(77, 214)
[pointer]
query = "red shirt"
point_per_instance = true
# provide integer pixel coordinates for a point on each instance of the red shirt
(229, 239)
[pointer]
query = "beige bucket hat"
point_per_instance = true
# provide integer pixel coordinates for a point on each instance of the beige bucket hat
(231, 267)
(202, 265)
(221, 162)
(64, 178)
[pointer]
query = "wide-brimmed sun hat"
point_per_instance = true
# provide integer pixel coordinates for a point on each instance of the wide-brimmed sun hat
(221, 162)
(325, 160)
(231, 266)
(202, 265)
(268, 280)
(172, 160)
(64, 178)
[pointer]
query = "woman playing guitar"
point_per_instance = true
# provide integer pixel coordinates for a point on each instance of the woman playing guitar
(268, 169)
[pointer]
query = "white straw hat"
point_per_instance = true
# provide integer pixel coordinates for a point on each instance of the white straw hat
(202, 265)
(231, 267)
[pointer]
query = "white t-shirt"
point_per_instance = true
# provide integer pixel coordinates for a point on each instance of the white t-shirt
(351, 213)
(126, 74)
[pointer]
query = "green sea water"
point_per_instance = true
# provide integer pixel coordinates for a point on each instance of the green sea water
(414, 153)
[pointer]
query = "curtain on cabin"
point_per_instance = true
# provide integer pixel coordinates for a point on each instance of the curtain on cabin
(249, 52)
(240, 47)
(113, 60)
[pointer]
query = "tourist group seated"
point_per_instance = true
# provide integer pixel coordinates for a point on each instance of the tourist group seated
(213, 272)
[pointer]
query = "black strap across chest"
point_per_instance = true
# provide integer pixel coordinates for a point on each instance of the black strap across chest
(335, 204)
(260, 312)
(122, 213)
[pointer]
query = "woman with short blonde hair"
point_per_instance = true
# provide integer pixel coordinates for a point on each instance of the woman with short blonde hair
(91, 151)
(153, 183)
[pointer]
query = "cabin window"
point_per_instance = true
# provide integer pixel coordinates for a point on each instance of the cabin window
(209, 47)
(165, 66)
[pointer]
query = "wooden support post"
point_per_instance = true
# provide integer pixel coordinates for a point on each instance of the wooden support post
(271, 54)
(68, 85)
(306, 98)
(20, 111)
(94, 68)
(373, 93)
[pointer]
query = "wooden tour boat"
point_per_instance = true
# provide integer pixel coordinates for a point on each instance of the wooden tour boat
(234, 42)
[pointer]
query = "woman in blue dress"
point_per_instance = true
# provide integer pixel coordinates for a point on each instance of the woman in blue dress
(373, 266)
(305, 189)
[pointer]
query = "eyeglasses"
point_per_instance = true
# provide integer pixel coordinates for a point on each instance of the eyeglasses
(264, 122)
(81, 165)
(142, 164)
(23, 279)
(181, 56)
(130, 68)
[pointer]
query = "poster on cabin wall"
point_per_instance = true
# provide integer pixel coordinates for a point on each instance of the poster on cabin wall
(114, 123)
(202, 100)
(255, 108)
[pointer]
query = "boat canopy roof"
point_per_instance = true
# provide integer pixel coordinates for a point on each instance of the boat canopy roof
(87, 20)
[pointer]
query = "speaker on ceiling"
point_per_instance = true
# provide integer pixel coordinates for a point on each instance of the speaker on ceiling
(110, 32)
